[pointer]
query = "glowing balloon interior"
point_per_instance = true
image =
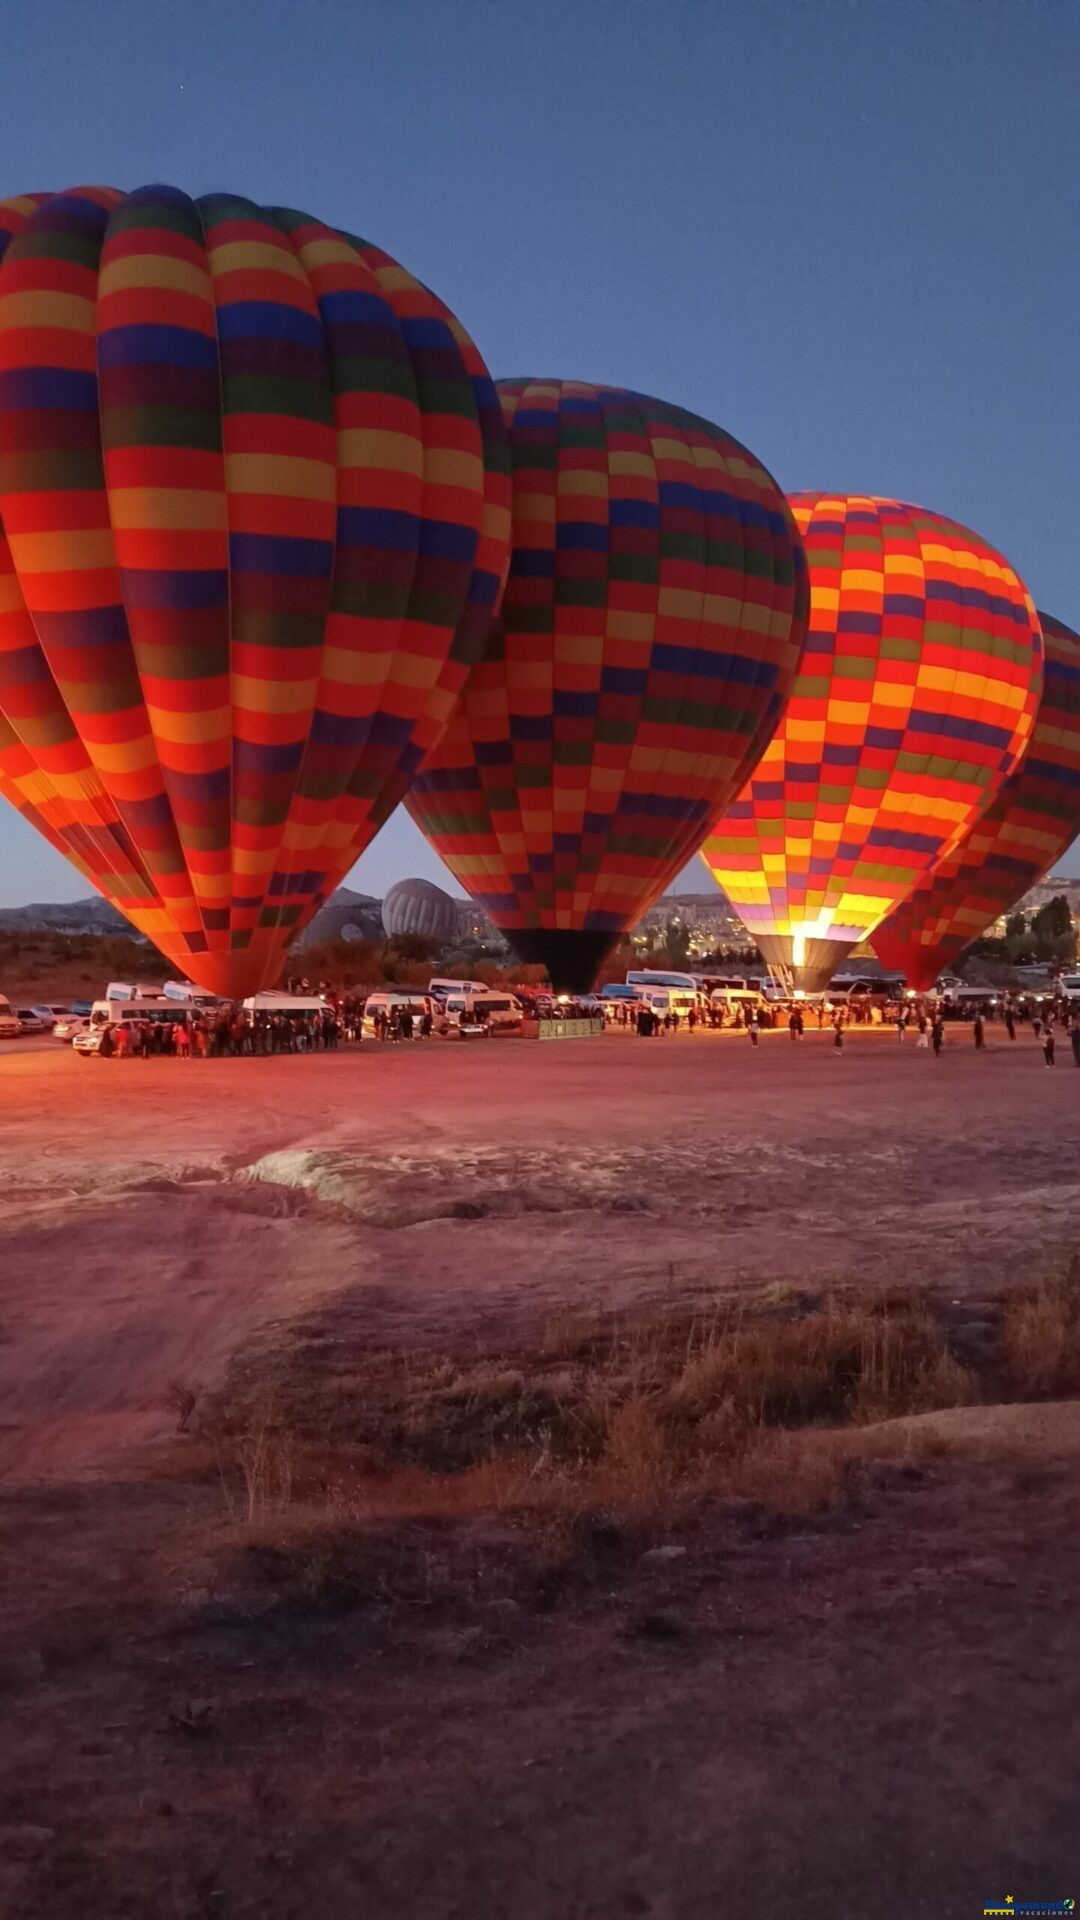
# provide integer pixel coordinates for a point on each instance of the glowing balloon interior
(914, 700)
(1031, 824)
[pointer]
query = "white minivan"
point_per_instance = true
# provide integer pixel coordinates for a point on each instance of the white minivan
(392, 1001)
(486, 1008)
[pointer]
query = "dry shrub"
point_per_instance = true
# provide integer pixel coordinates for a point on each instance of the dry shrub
(1041, 1336)
(789, 1472)
(644, 1404)
(257, 1466)
(634, 1418)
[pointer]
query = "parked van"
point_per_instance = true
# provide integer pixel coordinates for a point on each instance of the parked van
(151, 1007)
(269, 1002)
(485, 1007)
(665, 1000)
(392, 1000)
(728, 998)
(440, 989)
(9, 1024)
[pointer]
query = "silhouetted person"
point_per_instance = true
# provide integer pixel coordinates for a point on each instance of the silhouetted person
(1010, 1023)
(1049, 1043)
(978, 1029)
(937, 1034)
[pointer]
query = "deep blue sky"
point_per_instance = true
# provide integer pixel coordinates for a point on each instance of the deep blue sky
(848, 232)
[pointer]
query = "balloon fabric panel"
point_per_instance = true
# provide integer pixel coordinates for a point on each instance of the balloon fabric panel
(651, 626)
(1031, 824)
(255, 491)
(915, 697)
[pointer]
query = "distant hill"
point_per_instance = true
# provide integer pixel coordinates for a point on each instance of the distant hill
(69, 916)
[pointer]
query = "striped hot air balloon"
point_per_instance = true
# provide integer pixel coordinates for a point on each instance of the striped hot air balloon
(255, 490)
(915, 698)
(652, 623)
(1031, 824)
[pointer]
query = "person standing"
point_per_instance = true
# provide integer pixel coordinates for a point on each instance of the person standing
(937, 1035)
(754, 1028)
(901, 1024)
(1049, 1043)
(1074, 1037)
(182, 1040)
(122, 1040)
(1010, 1023)
(793, 1023)
(978, 1029)
(838, 1034)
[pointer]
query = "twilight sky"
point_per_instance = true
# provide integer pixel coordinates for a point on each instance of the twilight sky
(847, 230)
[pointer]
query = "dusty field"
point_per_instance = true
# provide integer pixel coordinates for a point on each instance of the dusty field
(875, 1701)
(462, 1193)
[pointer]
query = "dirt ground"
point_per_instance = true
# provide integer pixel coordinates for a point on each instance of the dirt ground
(872, 1705)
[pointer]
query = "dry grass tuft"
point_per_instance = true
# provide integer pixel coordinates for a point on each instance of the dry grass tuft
(1041, 1336)
(639, 1418)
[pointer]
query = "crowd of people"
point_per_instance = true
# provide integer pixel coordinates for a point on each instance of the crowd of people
(234, 1032)
(926, 1022)
(227, 1033)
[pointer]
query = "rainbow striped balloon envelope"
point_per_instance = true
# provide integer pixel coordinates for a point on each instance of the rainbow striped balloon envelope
(651, 627)
(255, 489)
(1031, 824)
(915, 698)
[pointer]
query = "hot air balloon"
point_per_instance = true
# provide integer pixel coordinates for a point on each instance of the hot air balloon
(915, 698)
(651, 626)
(255, 490)
(1034, 819)
(419, 906)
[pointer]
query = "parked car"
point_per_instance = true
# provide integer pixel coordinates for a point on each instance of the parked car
(50, 1015)
(88, 1041)
(31, 1020)
(69, 1026)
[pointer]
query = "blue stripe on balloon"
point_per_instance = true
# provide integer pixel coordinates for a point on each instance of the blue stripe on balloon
(954, 727)
(581, 536)
(154, 346)
(174, 590)
(42, 387)
(282, 554)
(634, 513)
(623, 680)
(378, 527)
(712, 666)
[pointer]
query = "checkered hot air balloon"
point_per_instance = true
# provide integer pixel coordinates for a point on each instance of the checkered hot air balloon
(255, 497)
(1033, 821)
(652, 622)
(915, 698)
